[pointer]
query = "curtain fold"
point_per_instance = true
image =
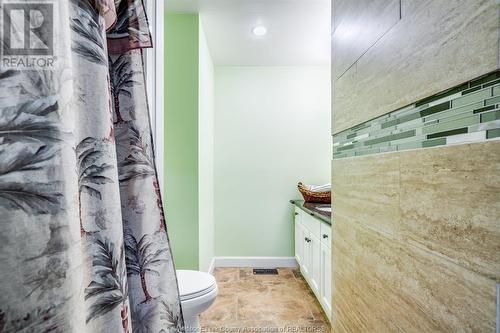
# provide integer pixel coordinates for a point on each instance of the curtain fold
(83, 239)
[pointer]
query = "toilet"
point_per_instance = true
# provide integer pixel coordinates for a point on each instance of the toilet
(197, 291)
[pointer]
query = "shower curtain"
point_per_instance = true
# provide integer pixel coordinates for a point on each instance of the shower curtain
(83, 240)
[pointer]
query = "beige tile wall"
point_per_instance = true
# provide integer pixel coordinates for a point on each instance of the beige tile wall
(383, 285)
(357, 25)
(416, 240)
(393, 60)
(416, 234)
(450, 204)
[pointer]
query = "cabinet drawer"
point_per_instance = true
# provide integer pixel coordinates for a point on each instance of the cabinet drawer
(312, 225)
(326, 234)
(298, 214)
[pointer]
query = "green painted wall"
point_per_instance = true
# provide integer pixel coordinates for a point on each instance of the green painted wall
(272, 130)
(181, 137)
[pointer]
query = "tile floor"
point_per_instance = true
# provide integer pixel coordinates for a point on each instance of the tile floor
(263, 303)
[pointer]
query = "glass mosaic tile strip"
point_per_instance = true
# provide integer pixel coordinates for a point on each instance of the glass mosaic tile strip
(467, 113)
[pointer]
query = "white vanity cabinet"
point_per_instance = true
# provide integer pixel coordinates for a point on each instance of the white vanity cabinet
(313, 255)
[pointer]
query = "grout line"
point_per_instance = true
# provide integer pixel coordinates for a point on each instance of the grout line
(237, 307)
(369, 48)
(237, 295)
(498, 309)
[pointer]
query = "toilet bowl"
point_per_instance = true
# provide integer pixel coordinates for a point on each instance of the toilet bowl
(197, 291)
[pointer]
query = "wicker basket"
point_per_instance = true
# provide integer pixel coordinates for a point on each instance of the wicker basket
(310, 196)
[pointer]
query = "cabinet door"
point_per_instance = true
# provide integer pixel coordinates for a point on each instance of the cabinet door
(315, 263)
(297, 214)
(326, 280)
(306, 252)
(299, 239)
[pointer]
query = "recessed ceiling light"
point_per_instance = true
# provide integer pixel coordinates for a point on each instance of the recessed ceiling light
(259, 30)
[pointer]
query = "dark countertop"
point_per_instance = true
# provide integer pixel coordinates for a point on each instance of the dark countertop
(311, 209)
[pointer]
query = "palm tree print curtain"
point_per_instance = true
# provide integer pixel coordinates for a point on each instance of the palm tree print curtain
(83, 240)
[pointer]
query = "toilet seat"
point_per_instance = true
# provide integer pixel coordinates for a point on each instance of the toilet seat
(194, 284)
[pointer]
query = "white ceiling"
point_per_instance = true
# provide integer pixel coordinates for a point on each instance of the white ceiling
(298, 30)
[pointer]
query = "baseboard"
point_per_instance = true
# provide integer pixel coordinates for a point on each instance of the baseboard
(211, 267)
(258, 262)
